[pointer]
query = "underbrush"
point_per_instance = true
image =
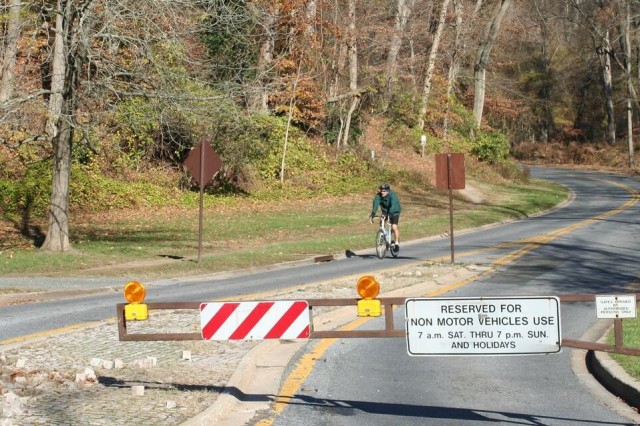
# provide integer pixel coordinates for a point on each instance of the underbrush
(575, 153)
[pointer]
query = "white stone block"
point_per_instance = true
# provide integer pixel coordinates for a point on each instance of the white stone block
(186, 355)
(107, 364)
(89, 374)
(95, 362)
(80, 378)
(118, 363)
(6, 412)
(137, 390)
(150, 362)
(21, 363)
(171, 405)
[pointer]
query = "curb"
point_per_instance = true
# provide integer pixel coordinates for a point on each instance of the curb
(248, 393)
(614, 378)
(604, 378)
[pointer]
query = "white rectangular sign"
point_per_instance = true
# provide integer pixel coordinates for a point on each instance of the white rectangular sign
(616, 306)
(483, 326)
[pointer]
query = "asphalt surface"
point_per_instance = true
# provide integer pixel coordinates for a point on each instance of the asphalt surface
(85, 375)
(40, 375)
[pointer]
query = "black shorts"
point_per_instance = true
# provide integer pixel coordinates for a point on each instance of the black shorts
(394, 218)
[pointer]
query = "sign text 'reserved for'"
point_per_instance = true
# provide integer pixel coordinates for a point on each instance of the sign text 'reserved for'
(483, 326)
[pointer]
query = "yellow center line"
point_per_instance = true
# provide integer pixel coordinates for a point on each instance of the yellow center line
(48, 333)
(301, 372)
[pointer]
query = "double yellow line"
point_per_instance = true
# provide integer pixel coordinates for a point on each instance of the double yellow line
(296, 378)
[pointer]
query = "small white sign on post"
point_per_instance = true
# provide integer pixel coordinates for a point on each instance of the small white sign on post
(621, 306)
(483, 326)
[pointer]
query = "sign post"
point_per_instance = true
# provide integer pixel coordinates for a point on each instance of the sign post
(203, 163)
(483, 326)
(449, 176)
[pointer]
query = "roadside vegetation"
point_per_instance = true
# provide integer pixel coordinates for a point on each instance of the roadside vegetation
(309, 104)
(162, 242)
(631, 335)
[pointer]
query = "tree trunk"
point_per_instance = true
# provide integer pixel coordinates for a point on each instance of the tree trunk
(353, 71)
(67, 57)
(627, 53)
(58, 68)
(7, 82)
(426, 90)
(259, 99)
(454, 66)
(337, 59)
(311, 12)
(482, 58)
(546, 129)
(292, 103)
(605, 61)
(403, 12)
(57, 238)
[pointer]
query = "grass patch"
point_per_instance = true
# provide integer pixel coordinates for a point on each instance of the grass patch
(631, 334)
(157, 243)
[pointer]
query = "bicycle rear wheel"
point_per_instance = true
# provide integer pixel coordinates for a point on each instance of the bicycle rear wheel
(381, 244)
(393, 251)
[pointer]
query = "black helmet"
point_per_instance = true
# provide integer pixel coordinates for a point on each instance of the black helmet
(385, 187)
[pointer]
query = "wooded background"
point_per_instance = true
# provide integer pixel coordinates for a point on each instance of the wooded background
(124, 85)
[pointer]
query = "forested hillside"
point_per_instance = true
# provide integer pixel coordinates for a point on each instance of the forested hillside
(101, 101)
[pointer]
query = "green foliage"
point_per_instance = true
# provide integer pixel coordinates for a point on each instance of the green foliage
(402, 109)
(92, 191)
(30, 195)
(398, 135)
(335, 122)
(227, 35)
(308, 171)
(456, 143)
(137, 123)
(461, 119)
(492, 147)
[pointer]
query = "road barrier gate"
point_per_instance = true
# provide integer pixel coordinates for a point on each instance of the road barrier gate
(389, 330)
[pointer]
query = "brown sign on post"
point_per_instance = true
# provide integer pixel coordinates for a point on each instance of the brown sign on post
(203, 164)
(450, 171)
(450, 176)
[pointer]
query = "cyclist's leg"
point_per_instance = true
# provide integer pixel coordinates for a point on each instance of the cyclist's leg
(394, 227)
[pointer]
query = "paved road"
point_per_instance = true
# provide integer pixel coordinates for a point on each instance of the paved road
(589, 246)
(478, 247)
(20, 320)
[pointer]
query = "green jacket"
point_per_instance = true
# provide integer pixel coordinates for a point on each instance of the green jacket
(390, 205)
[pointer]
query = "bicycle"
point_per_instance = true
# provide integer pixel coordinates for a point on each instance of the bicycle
(383, 238)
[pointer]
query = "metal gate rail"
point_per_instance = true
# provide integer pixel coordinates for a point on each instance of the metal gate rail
(389, 329)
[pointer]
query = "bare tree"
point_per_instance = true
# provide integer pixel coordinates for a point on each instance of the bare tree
(454, 65)
(482, 57)
(626, 30)
(61, 123)
(426, 88)
(7, 72)
(604, 53)
(352, 52)
(311, 14)
(89, 38)
(402, 14)
(259, 98)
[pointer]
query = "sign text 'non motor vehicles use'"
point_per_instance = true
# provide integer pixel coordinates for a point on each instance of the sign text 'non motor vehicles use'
(483, 326)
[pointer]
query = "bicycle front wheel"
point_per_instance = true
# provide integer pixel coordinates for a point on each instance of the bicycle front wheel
(381, 244)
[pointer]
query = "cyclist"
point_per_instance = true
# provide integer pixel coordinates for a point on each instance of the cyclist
(389, 204)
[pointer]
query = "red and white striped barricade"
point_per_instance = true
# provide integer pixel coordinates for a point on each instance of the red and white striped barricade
(285, 319)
